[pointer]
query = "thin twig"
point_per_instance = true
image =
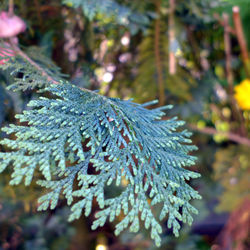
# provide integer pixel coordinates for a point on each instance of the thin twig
(241, 38)
(22, 54)
(27, 58)
(171, 37)
(35, 65)
(222, 23)
(229, 74)
(161, 89)
(228, 49)
(231, 136)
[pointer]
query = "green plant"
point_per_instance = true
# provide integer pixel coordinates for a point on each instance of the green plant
(153, 67)
(82, 142)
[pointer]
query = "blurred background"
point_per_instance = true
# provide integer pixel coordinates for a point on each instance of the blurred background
(193, 54)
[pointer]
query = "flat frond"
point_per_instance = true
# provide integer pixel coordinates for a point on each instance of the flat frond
(83, 142)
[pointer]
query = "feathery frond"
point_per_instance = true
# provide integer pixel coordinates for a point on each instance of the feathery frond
(83, 137)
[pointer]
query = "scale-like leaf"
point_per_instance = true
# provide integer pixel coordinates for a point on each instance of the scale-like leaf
(80, 137)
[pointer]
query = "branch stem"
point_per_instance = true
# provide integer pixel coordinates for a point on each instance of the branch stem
(241, 39)
(171, 36)
(229, 74)
(27, 58)
(161, 89)
(228, 52)
(38, 67)
(231, 136)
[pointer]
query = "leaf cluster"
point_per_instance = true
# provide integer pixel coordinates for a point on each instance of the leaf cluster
(82, 142)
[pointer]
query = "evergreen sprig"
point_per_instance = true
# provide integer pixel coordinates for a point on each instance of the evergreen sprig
(80, 137)
(81, 143)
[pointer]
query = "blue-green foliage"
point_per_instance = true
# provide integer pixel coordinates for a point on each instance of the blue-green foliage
(110, 8)
(23, 74)
(82, 142)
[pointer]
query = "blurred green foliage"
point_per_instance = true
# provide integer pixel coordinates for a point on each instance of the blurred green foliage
(232, 170)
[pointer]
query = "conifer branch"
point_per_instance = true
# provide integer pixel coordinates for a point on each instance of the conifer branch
(32, 62)
(124, 140)
(76, 132)
(82, 142)
(50, 79)
(221, 21)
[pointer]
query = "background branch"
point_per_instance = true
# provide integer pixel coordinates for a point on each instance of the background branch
(33, 63)
(160, 80)
(229, 75)
(241, 38)
(212, 131)
(171, 36)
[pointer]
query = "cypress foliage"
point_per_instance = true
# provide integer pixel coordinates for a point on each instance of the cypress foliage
(82, 142)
